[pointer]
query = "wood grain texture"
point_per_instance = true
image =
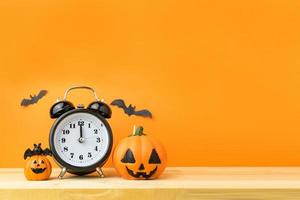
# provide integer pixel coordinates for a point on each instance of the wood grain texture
(176, 183)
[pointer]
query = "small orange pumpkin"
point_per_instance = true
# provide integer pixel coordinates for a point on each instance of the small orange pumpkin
(139, 157)
(37, 167)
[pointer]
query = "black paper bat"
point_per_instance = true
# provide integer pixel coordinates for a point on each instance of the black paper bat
(130, 110)
(34, 99)
(37, 150)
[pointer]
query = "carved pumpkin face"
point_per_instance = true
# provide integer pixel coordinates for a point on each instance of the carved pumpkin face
(139, 157)
(38, 167)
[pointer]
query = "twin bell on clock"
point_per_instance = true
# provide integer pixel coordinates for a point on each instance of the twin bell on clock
(80, 138)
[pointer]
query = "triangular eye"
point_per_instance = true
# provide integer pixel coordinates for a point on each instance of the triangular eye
(154, 158)
(128, 157)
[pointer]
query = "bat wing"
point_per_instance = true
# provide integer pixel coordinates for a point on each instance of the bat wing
(143, 113)
(120, 103)
(26, 102)
(47, 152)
(41, 94)
(27, 153)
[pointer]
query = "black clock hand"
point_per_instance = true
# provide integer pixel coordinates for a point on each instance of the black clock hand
(81, 131)
(81, 139)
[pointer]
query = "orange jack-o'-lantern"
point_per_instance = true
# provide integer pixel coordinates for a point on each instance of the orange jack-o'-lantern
(139, 156)
(37, 166)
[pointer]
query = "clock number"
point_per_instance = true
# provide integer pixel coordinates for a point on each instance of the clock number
(66, 132)
(66, 149)
(63, 140)
(95, 131)
(89, 125)
(72, 155)
(81, 157)
(80, 123)
(98, 139)
(89, 154)
(72, 125)
(96, 148)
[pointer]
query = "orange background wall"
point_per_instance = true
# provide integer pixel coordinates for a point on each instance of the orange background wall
(222, 78)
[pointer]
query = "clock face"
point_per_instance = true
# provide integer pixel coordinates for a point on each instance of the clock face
(81, 139)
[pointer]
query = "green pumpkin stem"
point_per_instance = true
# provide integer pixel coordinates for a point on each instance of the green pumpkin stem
(139, 131)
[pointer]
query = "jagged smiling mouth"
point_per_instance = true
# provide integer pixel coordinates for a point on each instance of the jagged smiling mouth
(141, 174)
(38, 170)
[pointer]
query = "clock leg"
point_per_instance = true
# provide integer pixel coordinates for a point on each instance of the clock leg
(100, 172)
(62, 173)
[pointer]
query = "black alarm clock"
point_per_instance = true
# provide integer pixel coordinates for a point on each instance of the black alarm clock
(80, 138)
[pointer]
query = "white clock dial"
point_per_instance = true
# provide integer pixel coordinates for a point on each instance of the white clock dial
(81, 139)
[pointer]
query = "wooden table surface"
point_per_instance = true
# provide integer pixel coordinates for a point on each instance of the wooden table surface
(176, 183)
